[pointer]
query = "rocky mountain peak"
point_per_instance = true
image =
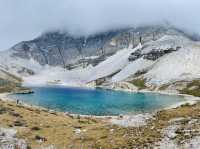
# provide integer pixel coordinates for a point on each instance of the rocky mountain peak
(62, 49)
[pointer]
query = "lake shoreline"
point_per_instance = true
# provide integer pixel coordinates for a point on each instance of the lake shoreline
(150, 125)
(172, 92)
(121, 119)
(190, 99)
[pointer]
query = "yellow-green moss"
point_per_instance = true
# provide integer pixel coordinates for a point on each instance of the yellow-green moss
(140, 83)
(192, 88)
(163, 87)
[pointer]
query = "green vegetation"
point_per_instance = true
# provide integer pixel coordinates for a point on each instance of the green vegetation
(163, 87)
(12, 77)
(140, 83)
(192, 88)
(7, 86)
(9, 82)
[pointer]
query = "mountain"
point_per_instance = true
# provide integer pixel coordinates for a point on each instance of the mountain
(61, 49)
(148, 57)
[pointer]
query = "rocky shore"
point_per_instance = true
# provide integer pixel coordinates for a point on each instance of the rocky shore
(40, 128)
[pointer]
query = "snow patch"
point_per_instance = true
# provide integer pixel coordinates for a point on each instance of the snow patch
(180, 65)
(81, 76)
(131, 69)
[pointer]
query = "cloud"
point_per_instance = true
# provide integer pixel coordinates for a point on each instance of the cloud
(26, 19)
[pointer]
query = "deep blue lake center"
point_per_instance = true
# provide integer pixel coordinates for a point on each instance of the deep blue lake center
(96, 101)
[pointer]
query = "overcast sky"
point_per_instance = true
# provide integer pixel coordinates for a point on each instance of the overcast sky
(26, 19)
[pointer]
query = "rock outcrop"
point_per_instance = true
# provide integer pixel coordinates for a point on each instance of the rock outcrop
(8, 140)
(153, 55)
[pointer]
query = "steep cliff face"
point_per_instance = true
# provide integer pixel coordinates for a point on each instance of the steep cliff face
(62, 49)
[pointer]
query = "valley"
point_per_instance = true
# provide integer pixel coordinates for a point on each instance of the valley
(160, 59)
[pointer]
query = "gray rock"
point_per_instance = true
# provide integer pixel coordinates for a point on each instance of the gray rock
(62, 49)
(153, 55)
(8, 140)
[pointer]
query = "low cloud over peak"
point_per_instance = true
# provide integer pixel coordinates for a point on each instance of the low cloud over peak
(23, 20)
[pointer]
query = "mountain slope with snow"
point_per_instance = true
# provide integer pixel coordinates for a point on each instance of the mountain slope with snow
(170, 57)
(82, 76)
(181, 65)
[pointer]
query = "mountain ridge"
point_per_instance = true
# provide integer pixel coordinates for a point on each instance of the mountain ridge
(60, 49)
(128, 58)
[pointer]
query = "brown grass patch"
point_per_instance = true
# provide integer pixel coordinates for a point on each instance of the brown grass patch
(60, 130)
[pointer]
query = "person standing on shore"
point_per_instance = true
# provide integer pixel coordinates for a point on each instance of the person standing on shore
(17, 101)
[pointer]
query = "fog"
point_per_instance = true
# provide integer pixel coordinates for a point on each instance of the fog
(26, 19)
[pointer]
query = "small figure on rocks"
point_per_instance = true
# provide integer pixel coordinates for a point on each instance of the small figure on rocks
(120, 116)
(17, 101)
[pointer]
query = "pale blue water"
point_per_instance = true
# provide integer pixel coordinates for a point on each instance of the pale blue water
(97, 101)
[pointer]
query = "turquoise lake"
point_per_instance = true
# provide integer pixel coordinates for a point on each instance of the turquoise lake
(96, 101)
